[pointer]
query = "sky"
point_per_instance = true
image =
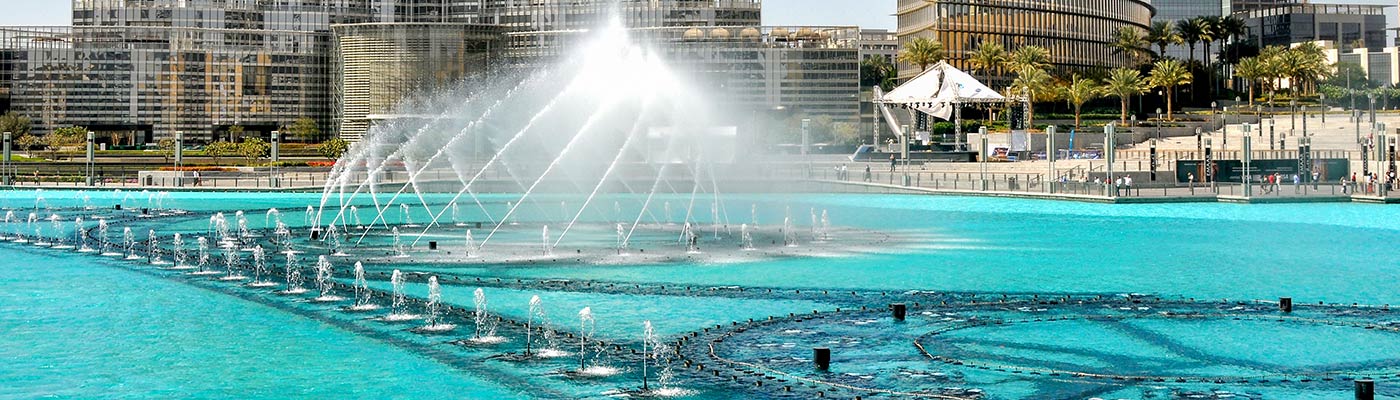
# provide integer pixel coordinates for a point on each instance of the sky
(863, 13)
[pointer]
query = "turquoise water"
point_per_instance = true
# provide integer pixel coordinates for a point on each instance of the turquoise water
(81, 328)
(84, 327)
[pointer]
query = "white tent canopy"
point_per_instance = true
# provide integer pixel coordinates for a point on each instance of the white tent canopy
(939, 89)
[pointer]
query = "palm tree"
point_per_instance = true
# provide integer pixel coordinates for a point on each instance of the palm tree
(1079, 91)
(989, 57)
(876, 71)
(1029, 57)
(922, 51)
(1162, 35)
(1272, 63)
(1190, 34)
(1232, 27)
(1034, 82)
(1251, 70)
(1132, 41)
(1304, 65)
(1124, 83)
(1168, 74)
(1209, 28)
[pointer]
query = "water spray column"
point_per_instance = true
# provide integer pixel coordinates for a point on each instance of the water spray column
(90, 139)
(276, 156)
(5, 176)
(1050, 157)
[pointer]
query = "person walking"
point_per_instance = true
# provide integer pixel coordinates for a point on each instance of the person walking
(1191, 182)
(1296, 182)
(867, 173)
(1128, 185)
(892, 163)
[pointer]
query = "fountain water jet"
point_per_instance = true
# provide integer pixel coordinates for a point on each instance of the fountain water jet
(260, 269)
(433, 309)
(398, 308)
(293, 275)
(485, 325)
(324, 274)
(362, 292)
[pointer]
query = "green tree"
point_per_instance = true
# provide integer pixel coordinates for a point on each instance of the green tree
(846, 133)
(990, 58)
(922, 51)
(1189, 30)
(16, 124)
(333, 149)
(1250, 70)
(876, 71)
(1079, 91)
(64, 137)
(1131, 41)
(304, 129)
(166, 147)
(1168, 74)
(220, 149)
(253, 149)
(1124, 83)
(1034, 83)
(28, 142)
(1029, 57)
(1163, 34)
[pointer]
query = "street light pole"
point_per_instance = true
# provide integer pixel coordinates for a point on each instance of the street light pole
(90, 139)
(5, 162)
(179, 158)
(1323, 100)
(1109, 148)
(1050, 157)
(1159, 123)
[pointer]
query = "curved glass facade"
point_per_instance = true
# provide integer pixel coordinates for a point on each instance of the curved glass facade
(1076, 32)
(382, 65)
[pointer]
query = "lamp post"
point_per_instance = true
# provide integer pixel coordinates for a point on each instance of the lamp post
(982, 131)
(5, 162)
(1159, 123)
(1214, 118)
(1133, 125)
(1109, 148)
(1323, 99)
(90, 139)
(1050, 157)
(1372, 98)
(179, 157)
(277, 144)
(1293, 115)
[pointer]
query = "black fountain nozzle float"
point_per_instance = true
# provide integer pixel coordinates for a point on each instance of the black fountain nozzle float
(315, 233)
(821, 357)
(1285, 304)
(1365, 389)
(432, 245)
(898, 311)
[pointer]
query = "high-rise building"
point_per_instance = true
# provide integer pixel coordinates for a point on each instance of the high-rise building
(1172, 11)
(1345, 26)
(1076, 32)
(138, 70)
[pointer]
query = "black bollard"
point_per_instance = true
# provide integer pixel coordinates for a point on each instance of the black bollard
(432, 245)
(117, 207)
(821, 356)
(1285, 304)
(1365, 389)
(898, 310)
(145, 211)
(315, 233)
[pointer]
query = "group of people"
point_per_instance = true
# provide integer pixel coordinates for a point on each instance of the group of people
(1373, 183)
(843, 174)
